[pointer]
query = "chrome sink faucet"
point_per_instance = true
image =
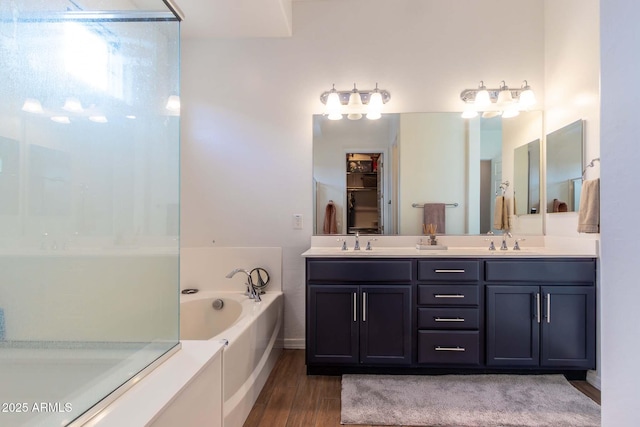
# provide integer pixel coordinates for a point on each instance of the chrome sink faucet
(251, 290)
(357, 245)
(506, 234)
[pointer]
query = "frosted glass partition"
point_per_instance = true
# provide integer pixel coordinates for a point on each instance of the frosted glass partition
(89, 202)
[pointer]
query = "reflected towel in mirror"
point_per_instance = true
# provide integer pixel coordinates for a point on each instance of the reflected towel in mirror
(589, 213)
(330, 225)
(501, 214)
(434, 214)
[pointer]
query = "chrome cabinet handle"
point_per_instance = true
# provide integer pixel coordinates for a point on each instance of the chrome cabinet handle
(438, 348)
(548, 308)
(449, 319)
(448, 296)
(355, 307)
(364, 306)
(449, 271)
(538, 307)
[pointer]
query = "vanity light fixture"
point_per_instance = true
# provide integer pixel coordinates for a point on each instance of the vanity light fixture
(73, 105)
(354, 103)
(32, 105)
(494, 102)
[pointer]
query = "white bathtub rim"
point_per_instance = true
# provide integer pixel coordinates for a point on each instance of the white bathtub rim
(250, 309)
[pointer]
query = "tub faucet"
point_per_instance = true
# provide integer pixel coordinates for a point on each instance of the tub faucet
(251, 291)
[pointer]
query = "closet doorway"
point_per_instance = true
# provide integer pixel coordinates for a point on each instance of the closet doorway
(365, 194)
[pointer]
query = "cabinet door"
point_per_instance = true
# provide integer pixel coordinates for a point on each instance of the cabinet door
(568, 326)
(385, 327)
(513, 329)
(332, 324)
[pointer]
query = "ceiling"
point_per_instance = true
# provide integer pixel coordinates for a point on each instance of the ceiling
(235, 18)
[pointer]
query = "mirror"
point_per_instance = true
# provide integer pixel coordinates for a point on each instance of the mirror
(564, 168)
(526, 178)
(437, 159)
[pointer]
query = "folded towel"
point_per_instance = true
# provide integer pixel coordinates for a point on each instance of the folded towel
(589, 213)
(434, 214)
(501, 214)
(1, 325)
(559, 206)
(330, 222)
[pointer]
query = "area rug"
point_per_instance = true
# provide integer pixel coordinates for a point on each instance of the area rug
(466, 400)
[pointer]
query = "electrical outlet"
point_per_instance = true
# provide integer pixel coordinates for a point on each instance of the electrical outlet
(297, 221)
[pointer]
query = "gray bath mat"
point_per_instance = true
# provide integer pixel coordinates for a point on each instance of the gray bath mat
(466, 401)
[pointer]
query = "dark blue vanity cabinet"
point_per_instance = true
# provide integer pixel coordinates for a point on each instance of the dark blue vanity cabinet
(541, 313)
(359, 312)
(449, 301)
(448, 314)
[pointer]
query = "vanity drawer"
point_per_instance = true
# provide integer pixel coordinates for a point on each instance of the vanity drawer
(555, 271)
(449, 347)
(448, 295)
(448, 270)
(448, 318)
(359, 270)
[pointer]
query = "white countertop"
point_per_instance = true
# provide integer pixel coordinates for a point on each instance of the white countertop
(457, 247)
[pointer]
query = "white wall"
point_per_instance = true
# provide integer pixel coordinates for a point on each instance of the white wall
(620, 159)
(248, 106)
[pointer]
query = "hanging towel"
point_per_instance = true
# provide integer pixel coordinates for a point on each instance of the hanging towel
(559, 206)
(434, 214)
(589, 213)
(501, 214)
(330, 222)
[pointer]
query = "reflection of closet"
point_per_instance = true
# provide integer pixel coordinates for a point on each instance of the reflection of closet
(364, 193)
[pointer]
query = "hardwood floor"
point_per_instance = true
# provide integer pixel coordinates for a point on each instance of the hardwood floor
(291, 398)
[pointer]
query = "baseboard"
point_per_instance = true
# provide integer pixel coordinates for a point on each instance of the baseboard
(294, 343)
(593, 378)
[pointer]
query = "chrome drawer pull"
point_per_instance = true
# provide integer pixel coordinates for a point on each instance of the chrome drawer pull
(449, 296)
(449, 271)
(438, 348)
(450, 319)
(355, 307)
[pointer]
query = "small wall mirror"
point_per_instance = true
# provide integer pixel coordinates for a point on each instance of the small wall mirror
(564, 168)
(526, 178)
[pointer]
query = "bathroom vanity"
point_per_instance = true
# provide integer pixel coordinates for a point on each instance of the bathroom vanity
(449, 311)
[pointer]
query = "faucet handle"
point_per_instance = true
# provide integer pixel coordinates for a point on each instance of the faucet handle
(344, 243)
(369, 244)
(492, 246)
(516, 246)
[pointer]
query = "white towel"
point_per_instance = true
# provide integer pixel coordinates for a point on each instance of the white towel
(589, 213)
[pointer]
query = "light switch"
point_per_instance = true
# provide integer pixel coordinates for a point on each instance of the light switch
(297, 221)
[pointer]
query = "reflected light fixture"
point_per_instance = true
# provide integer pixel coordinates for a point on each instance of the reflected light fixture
(354, 103)
(495, 102)
(98, 119)
(61, 119)
(73, 105)
(32, 105)
(173, 104)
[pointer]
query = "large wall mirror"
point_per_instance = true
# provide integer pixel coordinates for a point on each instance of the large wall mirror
(420, 159)
(564, 168)
(526, 179)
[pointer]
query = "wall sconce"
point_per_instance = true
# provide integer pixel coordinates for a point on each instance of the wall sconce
(354, 103)
(501, 101)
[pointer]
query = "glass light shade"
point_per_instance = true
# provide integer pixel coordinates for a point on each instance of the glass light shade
(374, 107)
(334, 106)
(504, 97)
(61, 119)
(490, 114)
(482, 98)
(354, 106)
(510, 112)
(527, 98)
(469, 114)
(32, 106)
(73, 105)
(98, 119)
(173, 103)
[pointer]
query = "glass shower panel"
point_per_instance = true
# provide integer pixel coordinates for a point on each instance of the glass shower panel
(89, 202)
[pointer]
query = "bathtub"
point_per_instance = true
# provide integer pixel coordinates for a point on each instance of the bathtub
(250, 328)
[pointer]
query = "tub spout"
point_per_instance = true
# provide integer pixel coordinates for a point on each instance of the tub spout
(251, 290)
